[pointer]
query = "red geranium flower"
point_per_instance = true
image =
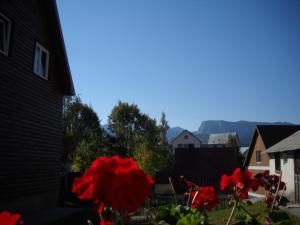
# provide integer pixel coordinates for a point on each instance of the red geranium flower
(115, 181)
(241, 180)
(7, 218)
(205, 198)
(269, 182)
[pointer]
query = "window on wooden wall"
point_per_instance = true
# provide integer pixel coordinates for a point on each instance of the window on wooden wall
(5, 29)
(41, 61)
(258, 156)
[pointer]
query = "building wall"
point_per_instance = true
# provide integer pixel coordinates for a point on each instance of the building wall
(288, 172)
(181, 140)
(259, 146)
(258, 167)
(205, 166)
(30, 113)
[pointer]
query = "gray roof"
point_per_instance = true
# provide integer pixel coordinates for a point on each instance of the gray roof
(215, 139)
(244, 149)
(203, 138)
(221, 138)
(288, 144)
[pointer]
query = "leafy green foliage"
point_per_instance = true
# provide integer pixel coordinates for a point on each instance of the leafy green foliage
(135, 134)
(180, 215)
(82, 133)
(192, 219)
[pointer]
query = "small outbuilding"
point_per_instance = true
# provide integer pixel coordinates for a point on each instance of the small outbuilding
(285, 157)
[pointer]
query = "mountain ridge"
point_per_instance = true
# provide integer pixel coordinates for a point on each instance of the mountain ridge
(243, 128)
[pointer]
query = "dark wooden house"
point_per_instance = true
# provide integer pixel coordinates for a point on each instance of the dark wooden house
(34, 77)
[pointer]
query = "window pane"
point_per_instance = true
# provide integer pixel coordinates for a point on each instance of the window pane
(36, 60)
(43, 63)
(258, 156)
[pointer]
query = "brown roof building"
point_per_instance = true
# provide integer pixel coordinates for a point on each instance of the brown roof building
(263, 138)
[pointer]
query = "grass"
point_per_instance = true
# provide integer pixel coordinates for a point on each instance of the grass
(219, 217)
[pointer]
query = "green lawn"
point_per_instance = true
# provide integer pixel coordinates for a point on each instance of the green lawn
(219, 217)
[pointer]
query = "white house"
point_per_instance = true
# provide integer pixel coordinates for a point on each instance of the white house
(285, 156)
(186, 139)
(189, 140)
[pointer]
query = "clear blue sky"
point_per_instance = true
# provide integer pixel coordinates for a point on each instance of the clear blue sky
(195, 60)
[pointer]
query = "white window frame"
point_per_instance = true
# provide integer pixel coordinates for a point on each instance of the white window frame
(36, 68)
(6, 39)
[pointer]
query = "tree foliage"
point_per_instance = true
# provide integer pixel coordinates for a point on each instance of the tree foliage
(139, 136)
(82, 131)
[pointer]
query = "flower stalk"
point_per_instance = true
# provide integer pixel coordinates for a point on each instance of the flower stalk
(276, 193)
(173, 189)
(232, 212)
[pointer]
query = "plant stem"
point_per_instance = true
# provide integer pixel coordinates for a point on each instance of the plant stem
(175, 198)
(276, 193)
(195, 196)
(190, 193)
(282, 193)
(231, 213)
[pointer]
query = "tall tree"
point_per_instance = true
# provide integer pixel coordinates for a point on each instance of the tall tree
(163, 129)
(80, 123)
(129, 125)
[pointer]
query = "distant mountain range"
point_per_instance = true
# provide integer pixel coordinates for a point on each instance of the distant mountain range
(243, 128)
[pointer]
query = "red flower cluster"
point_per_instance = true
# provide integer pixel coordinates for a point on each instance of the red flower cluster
(115, 181)
(7, 218)
(241, 180)
(269, 182)
(205, 198)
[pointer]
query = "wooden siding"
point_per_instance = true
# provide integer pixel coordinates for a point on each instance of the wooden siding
(205, 166)
(31, 107)
(259, 146)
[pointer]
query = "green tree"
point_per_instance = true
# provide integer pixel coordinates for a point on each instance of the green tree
(163, 129)
(80, 125)
(85, 153)
(138, 135)
(130, 127)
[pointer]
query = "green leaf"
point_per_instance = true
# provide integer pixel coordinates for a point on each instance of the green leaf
(191, 219)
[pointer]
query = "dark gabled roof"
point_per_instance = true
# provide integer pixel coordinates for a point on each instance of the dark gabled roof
(270, 134)
(66, 77)
(290, 143)
(188, 132)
